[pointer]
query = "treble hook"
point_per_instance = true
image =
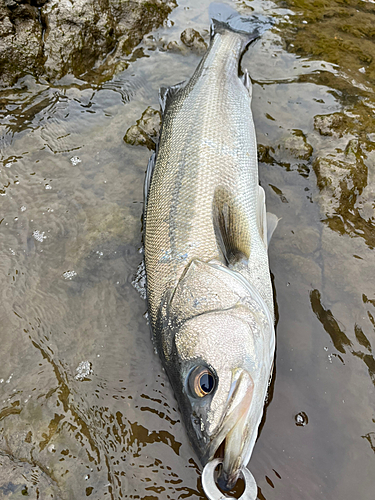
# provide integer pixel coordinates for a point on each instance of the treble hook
(212, 491)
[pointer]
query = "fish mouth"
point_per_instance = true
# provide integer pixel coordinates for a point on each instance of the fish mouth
(231, 442)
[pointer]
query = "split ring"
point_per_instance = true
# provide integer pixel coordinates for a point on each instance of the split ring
(212, 491)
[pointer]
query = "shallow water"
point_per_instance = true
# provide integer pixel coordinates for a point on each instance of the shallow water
(83, 398)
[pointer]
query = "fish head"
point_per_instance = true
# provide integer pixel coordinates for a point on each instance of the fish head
(220, 370)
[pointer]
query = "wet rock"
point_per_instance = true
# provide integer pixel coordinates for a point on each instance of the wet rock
(150, 122)
(152, 44)
(20, 479)
(135, 137)
(146, 131)
(194, 40)
(21, 45)
(83, 37)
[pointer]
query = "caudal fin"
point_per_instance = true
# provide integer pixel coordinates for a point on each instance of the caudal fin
(224, 18)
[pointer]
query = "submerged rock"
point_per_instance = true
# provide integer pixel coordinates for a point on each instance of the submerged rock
(295, 146)
(342, 179)
(332, 125)
(293, 153)
(19, 479)
(346, 192)
(84, 37)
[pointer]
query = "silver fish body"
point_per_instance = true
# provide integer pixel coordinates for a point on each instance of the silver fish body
(208, 282)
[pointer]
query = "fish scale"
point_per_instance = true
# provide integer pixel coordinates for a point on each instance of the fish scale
(201, 148)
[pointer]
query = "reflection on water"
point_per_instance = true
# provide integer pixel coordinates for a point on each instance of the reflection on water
(85, 408)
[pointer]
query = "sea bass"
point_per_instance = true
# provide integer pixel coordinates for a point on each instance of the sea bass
(206, 234)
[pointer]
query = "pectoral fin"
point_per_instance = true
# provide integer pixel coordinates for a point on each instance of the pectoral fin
(247, 82)
(231, 226)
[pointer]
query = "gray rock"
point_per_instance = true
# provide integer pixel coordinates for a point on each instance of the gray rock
(174, 47)
(21, 46)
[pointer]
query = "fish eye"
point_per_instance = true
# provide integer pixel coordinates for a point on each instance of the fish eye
(201, 381)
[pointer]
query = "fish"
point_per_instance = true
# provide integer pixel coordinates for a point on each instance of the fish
(206, 235)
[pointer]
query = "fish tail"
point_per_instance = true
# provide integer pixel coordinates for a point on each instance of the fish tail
(224, 18)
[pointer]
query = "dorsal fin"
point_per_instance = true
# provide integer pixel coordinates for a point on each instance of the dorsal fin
(167, 93)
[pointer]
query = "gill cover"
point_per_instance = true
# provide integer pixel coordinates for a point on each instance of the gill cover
(218, 320)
